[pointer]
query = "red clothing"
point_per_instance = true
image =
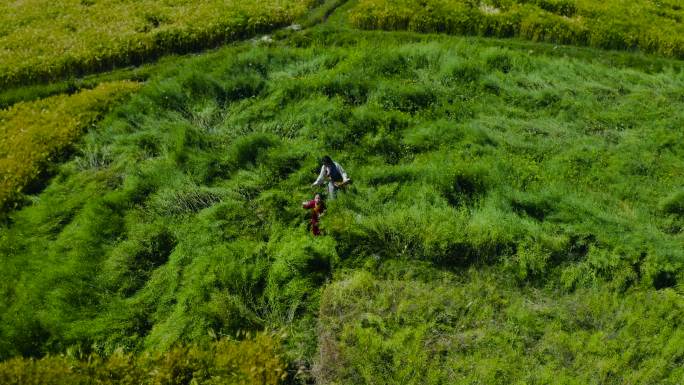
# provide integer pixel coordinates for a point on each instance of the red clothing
(316, 212)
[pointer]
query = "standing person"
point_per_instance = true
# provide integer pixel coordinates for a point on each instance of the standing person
(317, 206)
(335, 174)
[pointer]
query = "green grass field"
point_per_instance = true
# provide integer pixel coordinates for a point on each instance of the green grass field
(516, 216)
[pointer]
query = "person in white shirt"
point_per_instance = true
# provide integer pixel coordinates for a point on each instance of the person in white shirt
(335, 174)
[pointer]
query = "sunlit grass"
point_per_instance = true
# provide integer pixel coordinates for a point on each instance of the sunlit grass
(544, 189)
(649, 26)
(46, 40)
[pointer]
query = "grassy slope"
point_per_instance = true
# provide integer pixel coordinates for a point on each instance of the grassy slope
(551, 182)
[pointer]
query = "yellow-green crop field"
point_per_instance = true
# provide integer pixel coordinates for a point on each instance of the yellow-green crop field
(253, 360)
(653, 26)
(33, 132)
(44, 40)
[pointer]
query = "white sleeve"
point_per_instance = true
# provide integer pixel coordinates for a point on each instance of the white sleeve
(321, 177)
(341, 170)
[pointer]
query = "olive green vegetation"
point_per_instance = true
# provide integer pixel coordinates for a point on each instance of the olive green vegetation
(36, 134)
(252, 360)
(515, 217)
(43, 40)
(26, 93)
(649, 26)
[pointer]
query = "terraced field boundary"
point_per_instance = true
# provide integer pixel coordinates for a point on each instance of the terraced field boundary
(33, 133)
(44, 41)
(648, 26)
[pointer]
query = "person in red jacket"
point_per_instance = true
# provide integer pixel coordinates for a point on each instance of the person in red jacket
(317, 206)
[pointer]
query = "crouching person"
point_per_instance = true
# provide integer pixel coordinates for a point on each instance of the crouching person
(334, 174)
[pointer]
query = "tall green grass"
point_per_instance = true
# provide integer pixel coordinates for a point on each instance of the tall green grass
(416, 325)
(180, 216)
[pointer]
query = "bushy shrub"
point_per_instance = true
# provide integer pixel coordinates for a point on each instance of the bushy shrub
(246, 150)
(370, 119)
(500, 61)
(673, 204)
(300, 264)
(461, 70)
(405, 98)
(351, 90)
(467, 184)
(133, 261)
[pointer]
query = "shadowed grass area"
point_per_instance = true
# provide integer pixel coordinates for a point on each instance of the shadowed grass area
(414, 325)
(180, 215)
